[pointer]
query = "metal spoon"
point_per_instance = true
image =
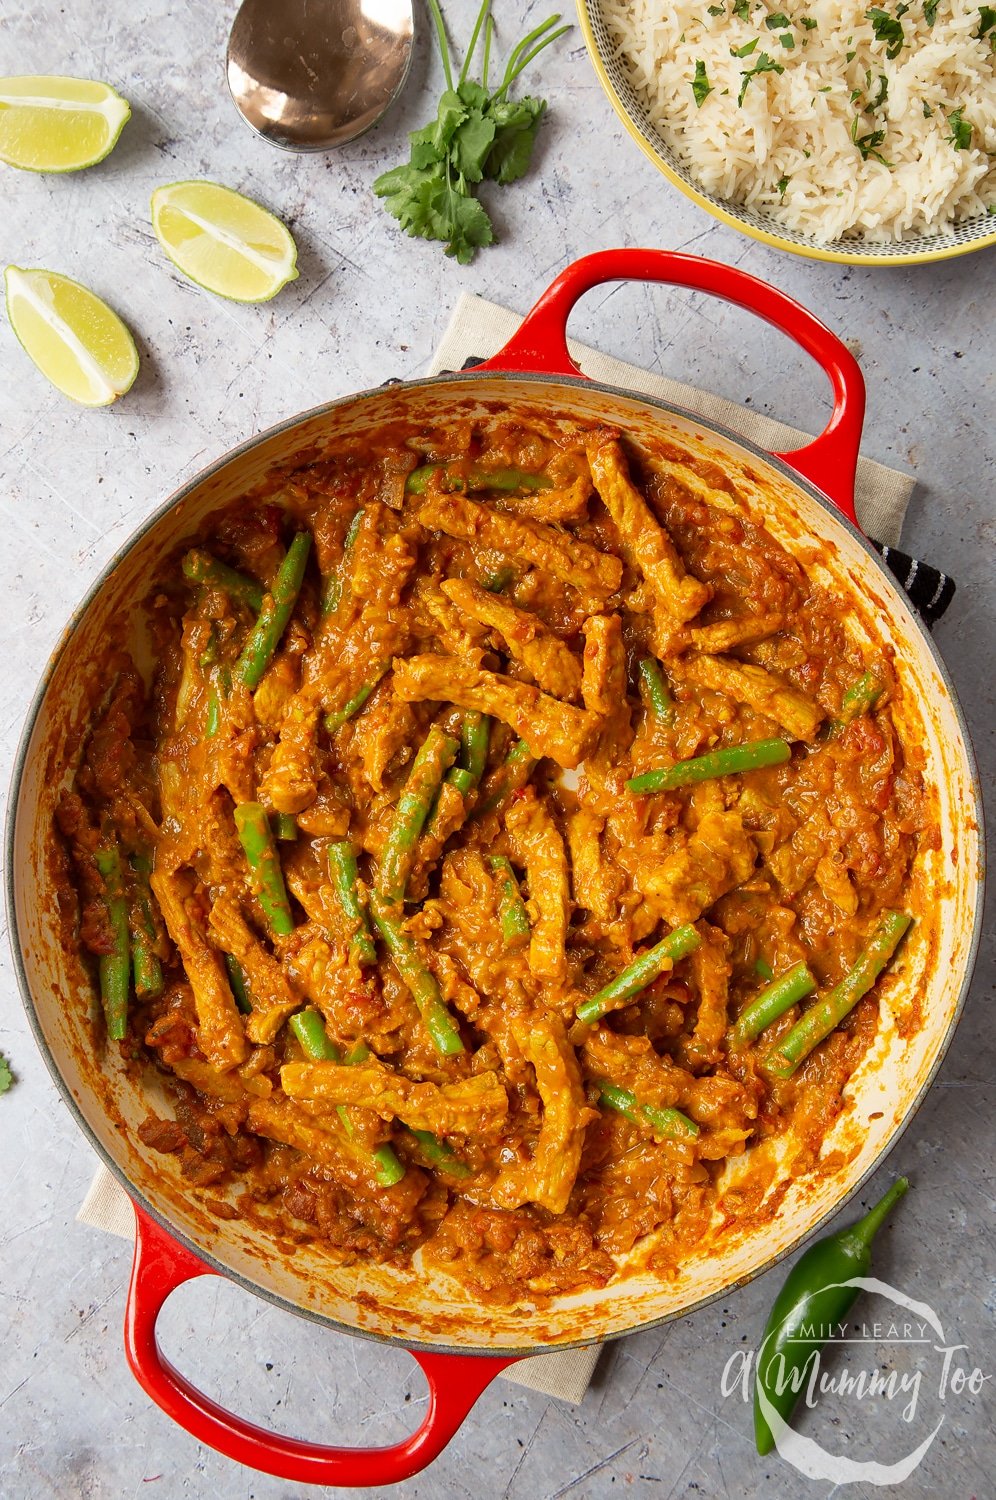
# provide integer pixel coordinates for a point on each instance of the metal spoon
(312, 74)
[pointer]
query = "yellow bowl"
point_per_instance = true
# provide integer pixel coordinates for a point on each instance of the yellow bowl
(971, 234)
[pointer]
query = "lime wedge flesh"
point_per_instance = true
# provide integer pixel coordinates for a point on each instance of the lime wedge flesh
(74, 338)
(223, 241)
(58, 124)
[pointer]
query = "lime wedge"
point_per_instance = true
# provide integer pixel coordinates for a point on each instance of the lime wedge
(75, 339)
(224, 242)
(58, 124)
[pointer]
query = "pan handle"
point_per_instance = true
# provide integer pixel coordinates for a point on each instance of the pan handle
(829, 461)
(160, 1266)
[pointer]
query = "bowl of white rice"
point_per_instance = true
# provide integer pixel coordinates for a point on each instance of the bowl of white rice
(839, 129)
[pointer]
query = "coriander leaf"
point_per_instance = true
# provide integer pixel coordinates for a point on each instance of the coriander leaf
(701, 87)
(961, 131)
(867, 144)
(741, 9)
(787, 40)
(716, 10)
(746, 49)
(927, 111)
(477, 133)
(6, 1077)
(777, 22)
(472, 94)
(883, 93)
(411, 195)
(512, 151)
(887, 29)
(809, 23)
(764, 64)
(782, 184)
(425, 149)
(451, 115)
(987, 21)
(469, 228)
(930, 11)
(471, 144)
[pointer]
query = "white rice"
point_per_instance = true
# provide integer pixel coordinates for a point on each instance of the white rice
(789, 150)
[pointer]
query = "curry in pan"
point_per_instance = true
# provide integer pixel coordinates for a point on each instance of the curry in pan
(508, 835)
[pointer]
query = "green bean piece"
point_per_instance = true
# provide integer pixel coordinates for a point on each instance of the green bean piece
(725, 762)
(147, 971)
(201, 567)
(437, 754)
(345, 883)
(670, 1123)
(764, 970)
(497, 581)
(264, 864)
(462, 780)
(791, 987)
(222, 683)
(317, 1046)
(654, 690)
(641, 972)
(420, 983)
(827, 1013)
(508, 480)
(859, 699)
(337, 581)
(439, 1154)
(238, 984)
(512, 775)
(512, 915)
(341, 716)
(277, 608)
(209, 655)
(114, 967)
(285, 827)
(475, 736)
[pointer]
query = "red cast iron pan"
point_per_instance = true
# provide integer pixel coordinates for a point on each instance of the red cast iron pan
(538, 351)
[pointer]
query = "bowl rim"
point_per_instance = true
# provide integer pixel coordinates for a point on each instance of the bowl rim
(12, 881)
(771, 238)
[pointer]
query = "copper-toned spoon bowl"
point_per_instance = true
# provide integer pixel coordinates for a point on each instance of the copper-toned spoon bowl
(309, 75)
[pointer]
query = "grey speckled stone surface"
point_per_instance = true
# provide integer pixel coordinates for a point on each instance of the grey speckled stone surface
(370, 304)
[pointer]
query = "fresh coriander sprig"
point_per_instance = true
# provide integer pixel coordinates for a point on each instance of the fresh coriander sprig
(476, 134)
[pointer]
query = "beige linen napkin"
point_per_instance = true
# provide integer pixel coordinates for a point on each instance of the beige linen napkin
(479, 329)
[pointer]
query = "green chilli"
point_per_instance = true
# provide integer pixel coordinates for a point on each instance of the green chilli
(238, 984)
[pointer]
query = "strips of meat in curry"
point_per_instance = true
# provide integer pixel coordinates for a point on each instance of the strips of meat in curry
(420, 968)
